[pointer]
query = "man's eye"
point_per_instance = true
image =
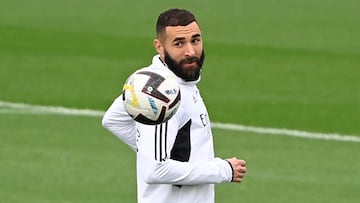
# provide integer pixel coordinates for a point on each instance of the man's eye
(195, 41)
(178, 44)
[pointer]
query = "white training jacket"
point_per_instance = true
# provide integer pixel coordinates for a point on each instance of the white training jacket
(175, 160)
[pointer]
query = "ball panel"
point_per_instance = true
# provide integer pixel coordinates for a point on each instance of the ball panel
(152, 85)
(145, 120)
(176, 101)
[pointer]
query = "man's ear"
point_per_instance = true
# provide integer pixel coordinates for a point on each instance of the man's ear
(159, 48)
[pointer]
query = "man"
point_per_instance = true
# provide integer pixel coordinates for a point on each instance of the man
(175, 160)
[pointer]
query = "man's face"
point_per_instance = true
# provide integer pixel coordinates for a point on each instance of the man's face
(182, 50)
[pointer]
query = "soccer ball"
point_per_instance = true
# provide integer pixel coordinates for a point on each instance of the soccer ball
(151, 96)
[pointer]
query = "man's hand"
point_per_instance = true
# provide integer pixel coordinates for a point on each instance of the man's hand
(239, 169)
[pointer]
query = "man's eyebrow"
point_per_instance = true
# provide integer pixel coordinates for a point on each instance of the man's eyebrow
(183, 38)
(178, 39)
(196, 35)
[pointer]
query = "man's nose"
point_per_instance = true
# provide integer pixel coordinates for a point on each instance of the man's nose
(190, 50)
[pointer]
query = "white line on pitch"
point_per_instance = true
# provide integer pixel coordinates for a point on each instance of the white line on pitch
(38, 109)
(21, 108)
(288, 132)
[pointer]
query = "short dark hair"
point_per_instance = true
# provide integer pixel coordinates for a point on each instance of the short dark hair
(173, 17)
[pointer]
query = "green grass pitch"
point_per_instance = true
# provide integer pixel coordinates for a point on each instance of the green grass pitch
(280, 64)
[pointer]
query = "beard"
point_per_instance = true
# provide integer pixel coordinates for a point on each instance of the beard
(190, 74)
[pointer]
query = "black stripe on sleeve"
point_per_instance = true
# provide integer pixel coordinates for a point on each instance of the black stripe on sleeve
(166, 129)
(155, 147)
(161, 143)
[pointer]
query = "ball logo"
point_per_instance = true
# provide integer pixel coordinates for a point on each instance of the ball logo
(171, 91)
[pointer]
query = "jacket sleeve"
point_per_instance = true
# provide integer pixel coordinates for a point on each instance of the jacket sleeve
(117, 121)
(155, 165)
(186, 173)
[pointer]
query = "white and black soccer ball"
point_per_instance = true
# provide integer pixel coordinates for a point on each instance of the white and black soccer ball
(151, 96)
